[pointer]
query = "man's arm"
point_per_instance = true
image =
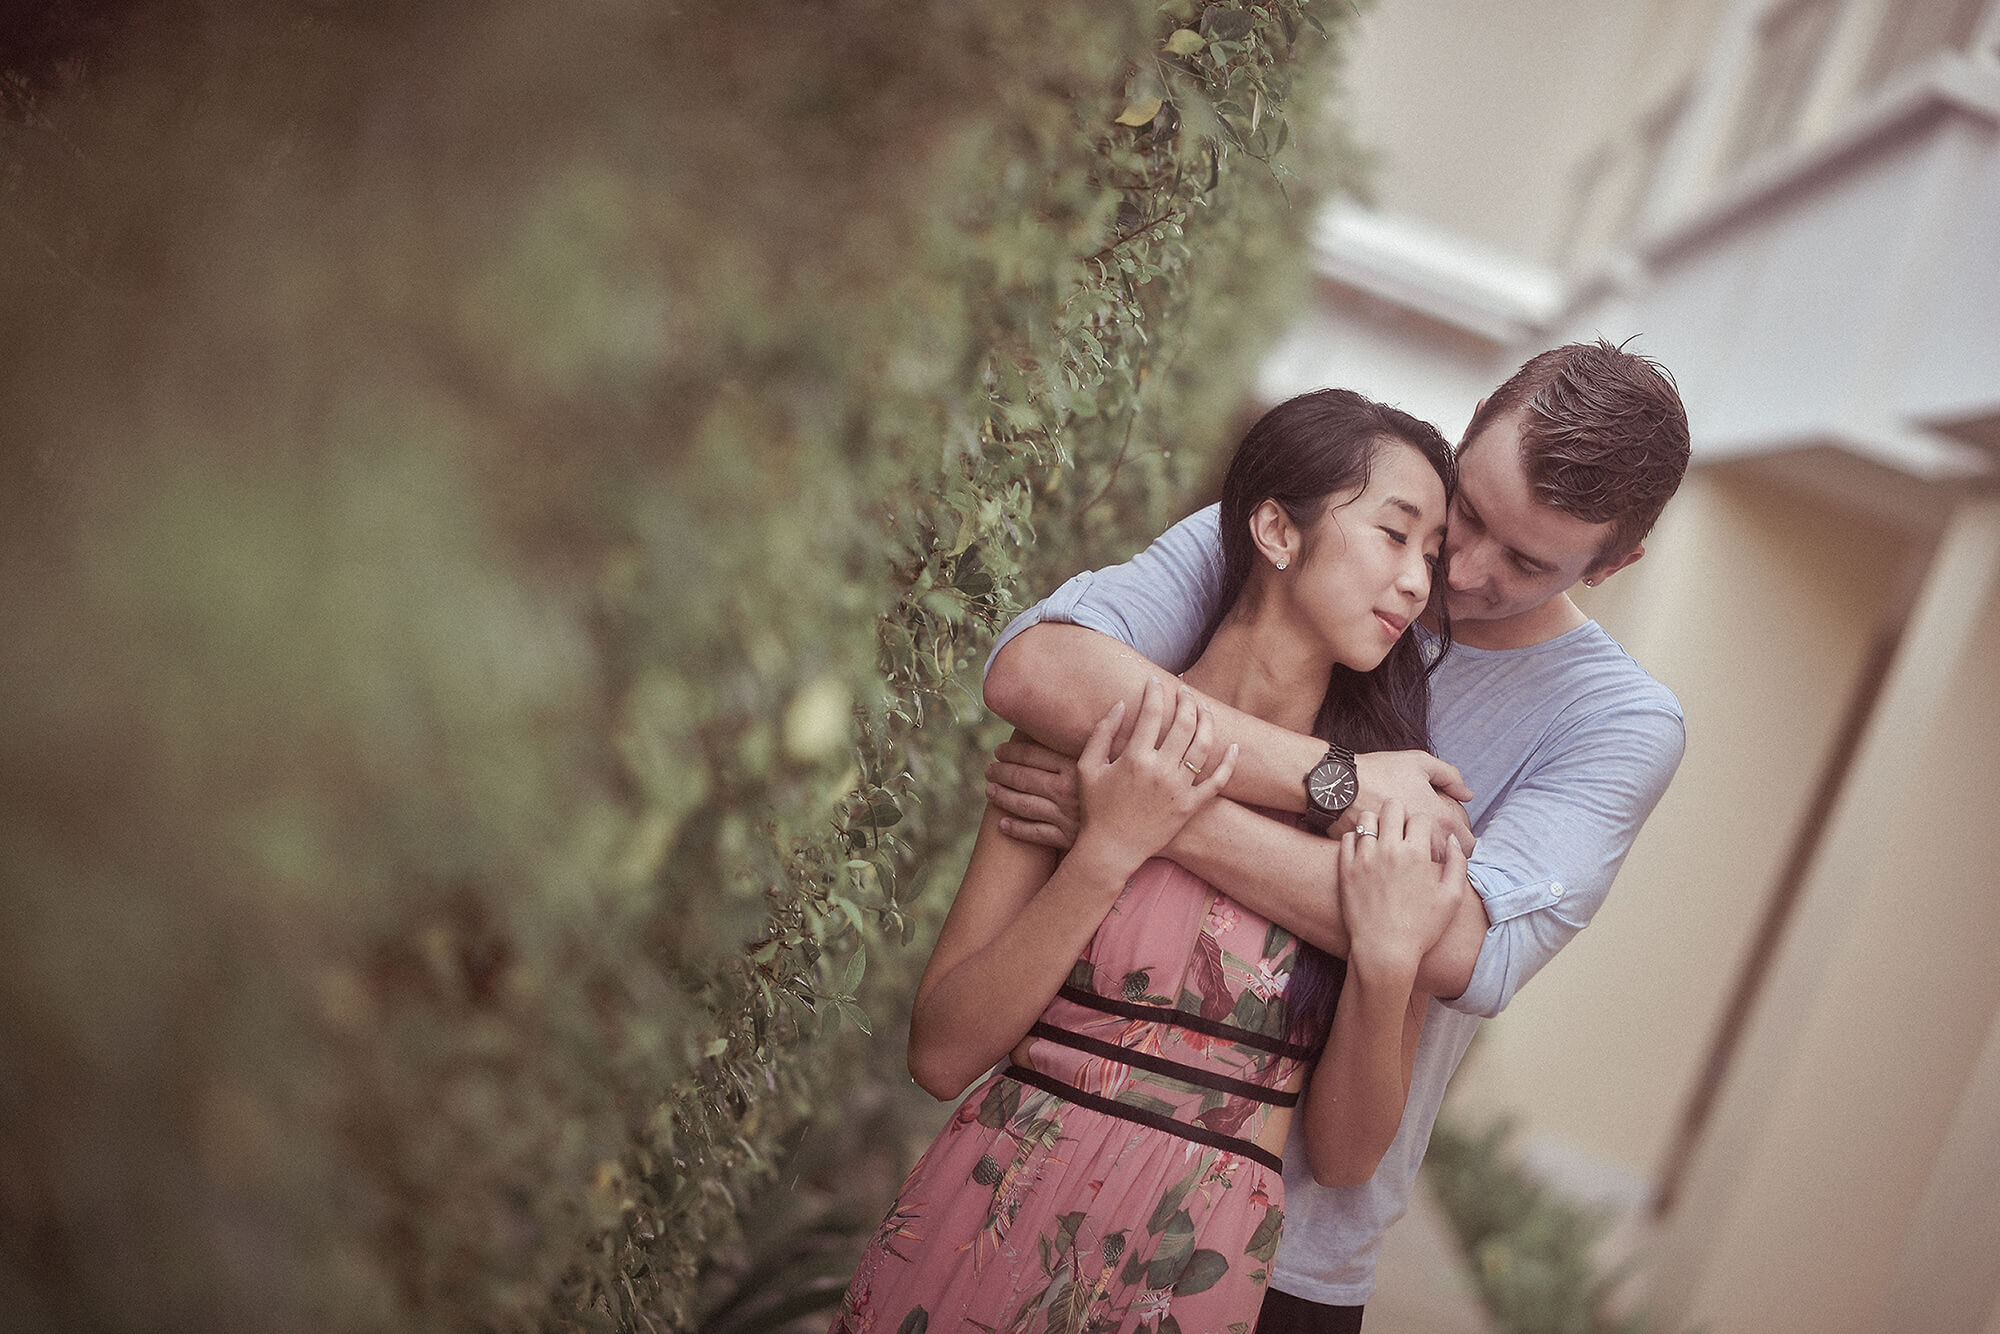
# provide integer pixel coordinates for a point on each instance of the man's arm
(1548, 851)
(1291, 877)
(1052, 677)
(1054, 680)
(1276, 869)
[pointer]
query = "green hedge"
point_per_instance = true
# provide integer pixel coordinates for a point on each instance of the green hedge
(504, 507)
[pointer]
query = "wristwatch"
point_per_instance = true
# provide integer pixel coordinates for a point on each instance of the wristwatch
(1331, 786)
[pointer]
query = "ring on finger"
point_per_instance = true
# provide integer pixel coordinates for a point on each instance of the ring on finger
(1365, 832)
(1191, 767)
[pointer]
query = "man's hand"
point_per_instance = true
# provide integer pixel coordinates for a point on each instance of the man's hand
(1427, 787)
(1036, 789)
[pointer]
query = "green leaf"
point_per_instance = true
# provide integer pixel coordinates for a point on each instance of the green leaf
(715, 1048)
(1185, 42)
(1170, 1203)
(1205, 1268)
(1141, 112)
(853, 1013)
(1264, 1241)
(850, 981)
(1171, 1256)
(1000, 1104)
(1228, 25)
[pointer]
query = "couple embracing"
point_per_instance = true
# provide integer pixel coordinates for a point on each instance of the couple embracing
(1221, 965)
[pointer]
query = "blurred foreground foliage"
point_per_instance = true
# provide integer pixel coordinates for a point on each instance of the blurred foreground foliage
(1535, 1254)
(502, 508)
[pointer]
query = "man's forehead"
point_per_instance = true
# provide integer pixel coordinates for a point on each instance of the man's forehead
(1494, 485)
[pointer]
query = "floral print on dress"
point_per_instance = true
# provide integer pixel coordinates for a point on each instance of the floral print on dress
(1034, 1214)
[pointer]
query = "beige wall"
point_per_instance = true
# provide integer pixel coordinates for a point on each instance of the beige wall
(1858, 1188)
(1849, 1178)
(1883, 1106)
(1754, 605)
(1480, 125)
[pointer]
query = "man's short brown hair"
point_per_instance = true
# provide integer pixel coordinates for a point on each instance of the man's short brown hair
(1604, 436)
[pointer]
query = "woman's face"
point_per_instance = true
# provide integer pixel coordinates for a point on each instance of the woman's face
(1365, 573)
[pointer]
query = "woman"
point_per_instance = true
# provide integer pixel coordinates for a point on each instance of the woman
(1122, 1170)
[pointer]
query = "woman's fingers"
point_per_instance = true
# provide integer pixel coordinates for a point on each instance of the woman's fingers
(1417, 831)
(1218, 778)
(1455, 866)
(1152, 716)
(1097, 749)
(1181, 727)
(1195, 757)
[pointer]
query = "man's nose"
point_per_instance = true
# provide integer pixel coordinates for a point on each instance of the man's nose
(1467, 568)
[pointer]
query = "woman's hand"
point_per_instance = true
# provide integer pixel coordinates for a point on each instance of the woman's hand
(1135, 803)
(1395, 900)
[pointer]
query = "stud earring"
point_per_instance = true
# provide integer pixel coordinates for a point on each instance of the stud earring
(1282, 562)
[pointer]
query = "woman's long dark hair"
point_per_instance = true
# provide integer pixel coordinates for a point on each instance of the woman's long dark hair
(1298, 454)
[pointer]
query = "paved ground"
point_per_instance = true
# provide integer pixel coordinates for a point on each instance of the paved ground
(1422, 1286)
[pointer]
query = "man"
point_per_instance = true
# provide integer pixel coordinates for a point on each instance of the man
(1559, 744)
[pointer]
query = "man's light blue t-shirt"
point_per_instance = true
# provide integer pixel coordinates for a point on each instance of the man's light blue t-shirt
(1567, 746)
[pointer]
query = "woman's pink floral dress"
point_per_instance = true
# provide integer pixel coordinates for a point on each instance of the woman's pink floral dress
(1115, 1185)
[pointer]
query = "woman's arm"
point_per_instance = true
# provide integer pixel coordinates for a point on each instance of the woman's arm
(1020, 920)
(1015, 930)
(1274, 869)
(1397, 903)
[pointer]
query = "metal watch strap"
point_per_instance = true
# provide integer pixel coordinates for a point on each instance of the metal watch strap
(1316, 819)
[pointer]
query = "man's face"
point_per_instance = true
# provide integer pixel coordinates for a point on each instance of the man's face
(1509, 555)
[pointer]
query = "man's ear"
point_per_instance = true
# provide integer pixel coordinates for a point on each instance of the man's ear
(1274, 534)
(1604, 569)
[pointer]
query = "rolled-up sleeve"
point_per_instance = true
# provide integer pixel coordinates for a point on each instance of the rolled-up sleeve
(1547, 856)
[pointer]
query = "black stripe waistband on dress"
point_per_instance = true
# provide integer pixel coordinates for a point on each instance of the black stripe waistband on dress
(1161, 1065)
(1198, 1134)
(1161, 1014)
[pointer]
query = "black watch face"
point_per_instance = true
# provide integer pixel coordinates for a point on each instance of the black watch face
(1331, 786)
